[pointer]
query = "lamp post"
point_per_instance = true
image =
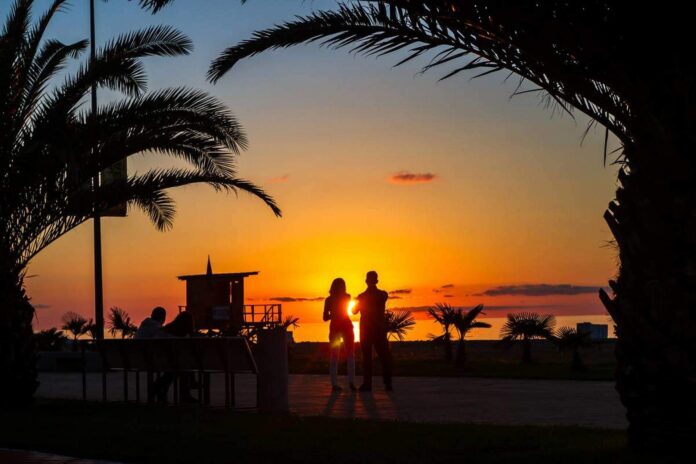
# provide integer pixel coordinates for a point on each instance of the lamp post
(98, 276)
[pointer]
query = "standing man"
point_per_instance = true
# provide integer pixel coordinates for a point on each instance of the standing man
(373, 331)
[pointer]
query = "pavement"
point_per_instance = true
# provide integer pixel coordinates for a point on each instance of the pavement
(418, 399)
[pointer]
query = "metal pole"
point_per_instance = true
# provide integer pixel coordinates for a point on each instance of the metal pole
(98, 281)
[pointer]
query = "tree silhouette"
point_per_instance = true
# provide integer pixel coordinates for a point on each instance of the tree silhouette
(92, 329)
(399, 323)
(584, 56)
(570, 339)
(291, 321)
(51, 147)
(75, 324)
(120, 322)
(445, 315)
(465, 321)
(526, 327)
(50, 340)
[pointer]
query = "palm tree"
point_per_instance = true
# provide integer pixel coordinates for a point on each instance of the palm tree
(570, 339)
(464, 322)
(398, 323)
(75, 324)
(445, 315)
(51, 147)
(92, 329)
(120, 321)
(291, 321)
(527, 327)
(50, 340)
(582, 56)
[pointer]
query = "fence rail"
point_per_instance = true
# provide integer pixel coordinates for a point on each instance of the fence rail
(262, 314)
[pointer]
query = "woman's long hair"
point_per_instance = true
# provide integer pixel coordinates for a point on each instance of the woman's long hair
(338, 287)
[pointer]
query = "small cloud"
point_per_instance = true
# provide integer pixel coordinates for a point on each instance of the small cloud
(395, 297)
(442, 288)
(401, 291)
(279, 179)
(41, 306)
(292, 299)
(409, 178)
(538, 290)
(448, 296)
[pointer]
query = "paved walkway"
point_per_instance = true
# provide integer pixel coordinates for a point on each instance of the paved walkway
(419, 399)
(32, 457)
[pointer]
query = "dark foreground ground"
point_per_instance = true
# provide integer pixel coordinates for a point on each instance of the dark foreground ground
(139, 434)
(485, 358)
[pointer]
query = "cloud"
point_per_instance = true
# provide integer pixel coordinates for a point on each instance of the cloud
(41, 306)
(292, 299)
(395, 297)
(409, 178)
(279, 179)
(448, 296)
(539, 290)
(401, 291)
(443, 287)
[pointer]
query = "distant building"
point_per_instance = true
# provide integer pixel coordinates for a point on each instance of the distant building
(596, 331)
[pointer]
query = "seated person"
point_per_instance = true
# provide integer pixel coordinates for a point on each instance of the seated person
(151, 327)
(181, 326)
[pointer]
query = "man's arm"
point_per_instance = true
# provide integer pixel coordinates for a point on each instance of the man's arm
(327, 310)
(358, 303)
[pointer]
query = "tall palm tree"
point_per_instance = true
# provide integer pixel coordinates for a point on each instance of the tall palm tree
(120, 322)
(526, 327)
(51, 147)
(464, 322)
(399, 323)
(75, 324)
(585, 56)
(570, 339)
(445, 315)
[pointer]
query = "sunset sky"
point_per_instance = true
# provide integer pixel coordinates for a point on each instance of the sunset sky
(451, 190)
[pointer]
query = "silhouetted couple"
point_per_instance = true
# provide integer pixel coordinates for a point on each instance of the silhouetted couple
(181, 326)
(371, 305)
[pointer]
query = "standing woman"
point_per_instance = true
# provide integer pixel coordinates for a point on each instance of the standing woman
(340, 330)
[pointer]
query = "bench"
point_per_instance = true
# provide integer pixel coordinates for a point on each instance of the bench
(191, 355)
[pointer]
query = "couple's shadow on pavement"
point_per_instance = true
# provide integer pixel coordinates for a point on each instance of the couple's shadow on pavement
(347, 403)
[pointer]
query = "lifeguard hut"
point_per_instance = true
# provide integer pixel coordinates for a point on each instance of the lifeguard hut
(216, 301)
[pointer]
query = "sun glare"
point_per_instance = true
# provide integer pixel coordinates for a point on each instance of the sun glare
(351, 305)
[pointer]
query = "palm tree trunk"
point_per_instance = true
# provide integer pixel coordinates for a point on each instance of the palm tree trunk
(576, 365)
(461, 354)
(526, 351)
(448, 346)
(17, 350)
(654, 303)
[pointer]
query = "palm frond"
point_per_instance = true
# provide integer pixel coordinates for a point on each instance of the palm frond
(291, 321)
(120, 322)
(528, 325)
(50, 149)
(398, 323)
(546, 43)
(74, 323)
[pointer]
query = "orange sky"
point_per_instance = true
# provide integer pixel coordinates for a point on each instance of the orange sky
(504, 193)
